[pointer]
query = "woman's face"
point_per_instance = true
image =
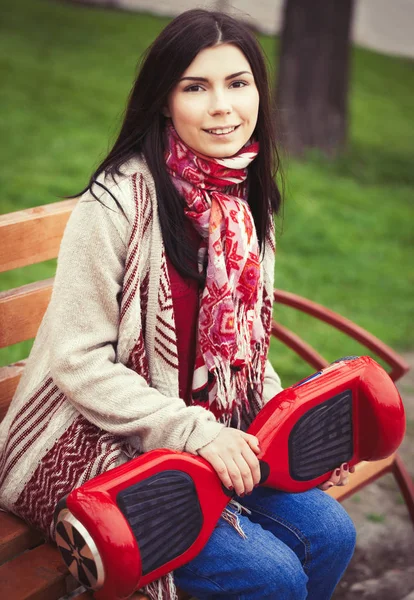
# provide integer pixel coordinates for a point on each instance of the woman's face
(215, 104)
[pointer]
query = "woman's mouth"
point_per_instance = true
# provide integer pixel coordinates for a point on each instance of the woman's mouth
(221, 131)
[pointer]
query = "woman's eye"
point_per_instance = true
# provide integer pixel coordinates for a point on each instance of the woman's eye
(193, 88)
(238, 84)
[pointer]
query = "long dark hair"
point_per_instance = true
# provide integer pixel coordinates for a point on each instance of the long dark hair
(142, 129)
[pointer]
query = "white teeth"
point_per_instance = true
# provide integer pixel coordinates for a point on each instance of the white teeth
(221, 131)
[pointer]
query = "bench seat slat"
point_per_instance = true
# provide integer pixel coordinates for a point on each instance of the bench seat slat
(33, 235)
(365, 473)
(22, 310)
(36, 575)
(15, 537)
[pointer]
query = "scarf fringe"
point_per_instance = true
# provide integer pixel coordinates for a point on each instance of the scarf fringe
(231, 390)
(232, 516)
(239, 508)
(233, 519)
(161, 589)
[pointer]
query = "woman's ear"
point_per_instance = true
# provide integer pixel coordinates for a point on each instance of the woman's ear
(166, 112)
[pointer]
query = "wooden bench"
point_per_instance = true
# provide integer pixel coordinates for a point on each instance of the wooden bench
(30, 568)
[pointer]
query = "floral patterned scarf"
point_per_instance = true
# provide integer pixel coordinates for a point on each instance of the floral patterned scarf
(231, 338)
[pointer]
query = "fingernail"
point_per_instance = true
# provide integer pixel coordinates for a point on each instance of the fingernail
(230, 488)
(345, 467)
(338, 472)
(331, 485)
(242, 495)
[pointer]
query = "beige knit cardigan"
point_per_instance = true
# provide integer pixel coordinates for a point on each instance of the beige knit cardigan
(101, 383)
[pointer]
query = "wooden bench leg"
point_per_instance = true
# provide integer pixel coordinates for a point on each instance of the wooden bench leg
(405, 483)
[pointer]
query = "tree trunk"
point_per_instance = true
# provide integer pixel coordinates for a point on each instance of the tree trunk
(312, 87)
(223, 5)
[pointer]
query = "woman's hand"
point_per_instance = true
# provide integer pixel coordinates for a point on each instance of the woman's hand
(338, 477)
(233, 456)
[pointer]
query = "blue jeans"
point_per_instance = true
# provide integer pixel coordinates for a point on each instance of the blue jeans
(297, 546)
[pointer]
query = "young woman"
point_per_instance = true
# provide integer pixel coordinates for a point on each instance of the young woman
(157, 332)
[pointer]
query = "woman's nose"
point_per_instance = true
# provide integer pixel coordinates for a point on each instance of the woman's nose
(220, 105)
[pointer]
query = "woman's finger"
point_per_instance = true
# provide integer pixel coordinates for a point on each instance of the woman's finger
(236, 470)
(336, 476)
(254, 465)
(236, 476)
(252, 441)
(246, 485)
(220, 467)
(326, 486)
(334, 479)
(344, 477)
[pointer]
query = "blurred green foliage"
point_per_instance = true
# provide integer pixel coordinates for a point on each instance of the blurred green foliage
(346, 236)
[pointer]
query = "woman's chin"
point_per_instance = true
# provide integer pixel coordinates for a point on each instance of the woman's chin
(220, 149)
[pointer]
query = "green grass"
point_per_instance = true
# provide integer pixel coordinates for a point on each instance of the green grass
(347, 232)
(400, 500)
(375, 517)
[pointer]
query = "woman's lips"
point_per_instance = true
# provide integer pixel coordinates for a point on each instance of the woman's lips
(222, 131)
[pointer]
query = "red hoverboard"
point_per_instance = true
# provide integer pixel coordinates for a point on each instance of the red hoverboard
(128, 526)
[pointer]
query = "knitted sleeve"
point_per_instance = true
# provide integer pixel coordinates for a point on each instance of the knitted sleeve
(84, 316)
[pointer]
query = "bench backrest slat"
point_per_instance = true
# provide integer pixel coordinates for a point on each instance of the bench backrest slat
(27, 237)
(9, 379)
(22, 310)
(33, 235)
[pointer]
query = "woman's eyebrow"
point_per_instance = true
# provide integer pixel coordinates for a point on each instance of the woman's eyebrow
(205, 79)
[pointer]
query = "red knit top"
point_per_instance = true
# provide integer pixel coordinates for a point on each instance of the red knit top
(185, 295)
